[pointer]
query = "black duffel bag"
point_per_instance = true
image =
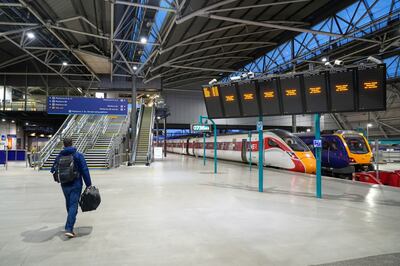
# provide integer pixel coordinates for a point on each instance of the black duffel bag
(90, 199)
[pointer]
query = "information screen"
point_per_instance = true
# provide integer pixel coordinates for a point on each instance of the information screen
(341, 86)
(269, 97)
(291, 95)
(316, 93)
(230, 100)
(248, 98)
(372, 89)
(213, 102)
(82, 105)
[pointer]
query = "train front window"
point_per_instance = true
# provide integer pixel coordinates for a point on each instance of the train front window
(356, 144)
(295, 143)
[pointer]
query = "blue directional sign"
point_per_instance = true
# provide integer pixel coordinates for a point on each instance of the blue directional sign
(84, 106)
(317, 143)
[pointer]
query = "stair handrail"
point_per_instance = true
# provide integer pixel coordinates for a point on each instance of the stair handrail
(102, 127)
(116, 140)
(149, 148)
(93, 130)
(64, 131)
(138, 125)
(81, 141)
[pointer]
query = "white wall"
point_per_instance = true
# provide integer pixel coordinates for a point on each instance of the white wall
(8, 94)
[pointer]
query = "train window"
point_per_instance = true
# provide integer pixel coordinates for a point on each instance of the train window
(272, 143)
(295, 143)
(356, 144)
(325, 145)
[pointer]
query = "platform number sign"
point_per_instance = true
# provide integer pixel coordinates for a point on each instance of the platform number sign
(200, 128)
(317, 143)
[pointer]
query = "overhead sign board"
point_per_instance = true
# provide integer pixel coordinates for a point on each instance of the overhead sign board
(200, 128)
(339, 90)
(230, 100)
(84, 106)
(212, 100)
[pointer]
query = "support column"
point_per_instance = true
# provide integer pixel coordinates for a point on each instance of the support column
(318, 155)
(165, 137)
(26, 90)
(294, 124)
(260, 128)
(133, 119)
(4, 93)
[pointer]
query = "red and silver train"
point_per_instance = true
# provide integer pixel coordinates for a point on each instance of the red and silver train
(282, 149)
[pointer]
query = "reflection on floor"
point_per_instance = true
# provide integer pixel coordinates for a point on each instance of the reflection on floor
(177, 212)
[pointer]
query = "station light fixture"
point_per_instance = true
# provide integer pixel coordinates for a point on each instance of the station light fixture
(328, 64)
(143, 40)
(3, 120)
(324, 59)
(235, 78)
(158, 117)
(64, 63)
(30, 35)
(338, 62)
(13, 121)
(134, 67)
(42, 135)
(212, 81)
(33, 134)
(26, 124)
(308, 130)
(374, 60)
(369, 125)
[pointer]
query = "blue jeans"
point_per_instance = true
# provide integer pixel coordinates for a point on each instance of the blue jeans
(71, 194)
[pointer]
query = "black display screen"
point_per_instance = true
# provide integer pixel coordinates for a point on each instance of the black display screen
(316, 93)
(230, 100)
(269, 97)
(248, 98)
(341, 86)
(372, 89)
(292, 99)
(213, 102)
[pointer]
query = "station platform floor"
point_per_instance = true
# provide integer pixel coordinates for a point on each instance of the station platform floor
(177, 212)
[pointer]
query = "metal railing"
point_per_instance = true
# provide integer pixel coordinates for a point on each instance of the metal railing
(94, 129)
(150, 146)
(115, 143)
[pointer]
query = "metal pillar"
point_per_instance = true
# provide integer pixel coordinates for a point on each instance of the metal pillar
(260, 128)
(377, 158)
(215, 141)
(133, 119)
(204, 148)
(165, 136)
(250, 147)
(317, 118)
(26, 90)
(294, 124)
(4, 93)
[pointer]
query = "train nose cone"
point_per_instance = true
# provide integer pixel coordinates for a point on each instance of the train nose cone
(309, 162)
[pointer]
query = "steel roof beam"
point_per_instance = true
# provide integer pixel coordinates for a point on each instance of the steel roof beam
(257, 6)
(44, 23)
(146, 6)
(288, 28)
(206, 69)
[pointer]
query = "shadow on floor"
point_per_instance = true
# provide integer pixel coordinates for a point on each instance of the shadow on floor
(344, 196)
(45, 234)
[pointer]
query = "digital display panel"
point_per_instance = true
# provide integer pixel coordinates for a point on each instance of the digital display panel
(269, 97)
(230, 100)
(341, 86)
(292, 99)
(213, 102)
(82, 105)
(316, 93)
(249, 99)
(372, 89)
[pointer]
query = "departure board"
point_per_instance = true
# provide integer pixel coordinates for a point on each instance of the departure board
(230, 100)
(213, 102)
(292, 99)
(269, 97)
(342, 91)
(372, 89)
(248, 98)
(316, 93)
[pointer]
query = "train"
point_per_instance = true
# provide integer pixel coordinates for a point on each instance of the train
(282, 149)
(343, 153)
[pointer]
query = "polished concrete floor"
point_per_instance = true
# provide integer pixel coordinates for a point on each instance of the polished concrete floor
(177, 212)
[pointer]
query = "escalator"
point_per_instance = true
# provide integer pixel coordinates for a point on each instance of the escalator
(142, 152)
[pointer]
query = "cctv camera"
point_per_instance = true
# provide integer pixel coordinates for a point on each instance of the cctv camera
(338, 62)
(374, 60)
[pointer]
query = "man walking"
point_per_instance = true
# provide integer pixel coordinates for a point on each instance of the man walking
(68, 169)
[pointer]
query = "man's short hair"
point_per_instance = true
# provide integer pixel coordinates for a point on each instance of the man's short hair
(67, 142)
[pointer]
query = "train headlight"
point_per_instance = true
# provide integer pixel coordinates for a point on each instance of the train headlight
(372, 159)
(351, 160)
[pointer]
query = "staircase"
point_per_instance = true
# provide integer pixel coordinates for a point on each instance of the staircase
(142, 155)
(94, 136)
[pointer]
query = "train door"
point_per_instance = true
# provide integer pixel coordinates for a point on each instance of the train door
(245, 149)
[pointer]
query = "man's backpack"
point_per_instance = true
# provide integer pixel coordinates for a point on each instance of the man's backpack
(66, 170)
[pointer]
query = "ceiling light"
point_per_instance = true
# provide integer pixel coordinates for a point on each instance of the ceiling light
(134, 67)
(374, 60)
(324, 59)
(3, 120)
(212, 81)
(64, 63)
(328, 64)
(338, 62)
(12, 121)
(143, 40)
(33, 134)
(26, 124)
(308, 130)
(148, 95)
(30, 35)
(369, 125)
(158, 117)
(42, 135)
